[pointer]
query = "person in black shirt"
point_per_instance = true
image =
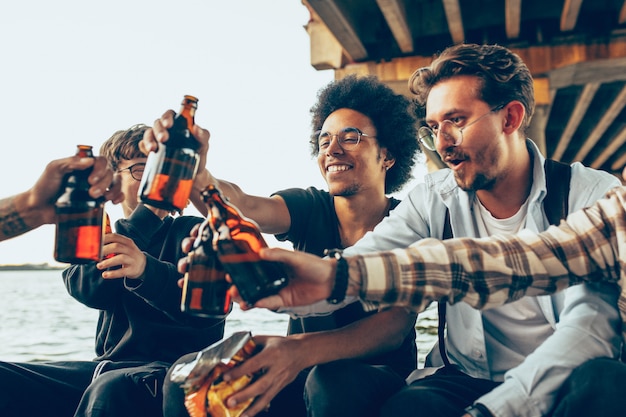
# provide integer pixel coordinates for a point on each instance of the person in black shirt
(365, 142)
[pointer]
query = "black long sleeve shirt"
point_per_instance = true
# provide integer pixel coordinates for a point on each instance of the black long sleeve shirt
(140, 319)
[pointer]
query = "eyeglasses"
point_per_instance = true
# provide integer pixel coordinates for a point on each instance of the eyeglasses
(348, 138)
(136, 170)
(452, 131)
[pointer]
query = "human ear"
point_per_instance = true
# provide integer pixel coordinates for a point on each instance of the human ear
(513, 116)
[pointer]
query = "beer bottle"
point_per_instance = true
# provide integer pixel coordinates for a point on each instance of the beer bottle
(238, 241)
(80, 218)
(205, 289)
(169, 174)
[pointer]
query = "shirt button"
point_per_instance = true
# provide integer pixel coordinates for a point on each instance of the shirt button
(477, 353)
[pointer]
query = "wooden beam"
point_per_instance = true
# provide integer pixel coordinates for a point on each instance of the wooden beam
(614, 144)
(569, 15)
(622, 14)
(575, 118)
(326, 52)
(619, 164)
(604, 123)
(512, 18)
(340, 27)
(455, 21)
(395, 15)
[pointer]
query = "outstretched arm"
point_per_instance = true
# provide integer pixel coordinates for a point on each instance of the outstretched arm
(35, 207)
(588, 246)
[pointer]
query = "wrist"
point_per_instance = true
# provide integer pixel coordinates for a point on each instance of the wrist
(340, 287)
(478, 410)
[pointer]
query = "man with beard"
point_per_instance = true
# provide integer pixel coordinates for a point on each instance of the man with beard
(510, 360)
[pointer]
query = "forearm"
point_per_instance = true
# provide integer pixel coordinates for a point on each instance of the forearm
(18, 216)
(369, 336)
(490, 272)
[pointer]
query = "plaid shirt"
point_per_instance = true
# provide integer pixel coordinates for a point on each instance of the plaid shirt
(589, 246)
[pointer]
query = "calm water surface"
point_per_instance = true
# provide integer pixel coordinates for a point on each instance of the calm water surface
(40, 321)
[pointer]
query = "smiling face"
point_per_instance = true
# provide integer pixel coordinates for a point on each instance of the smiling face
(360, 169)
(483, 156)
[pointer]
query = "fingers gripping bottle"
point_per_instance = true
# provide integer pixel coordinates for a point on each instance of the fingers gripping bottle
(80, 217)
(169, 174)
(205, 289)
(238, 241)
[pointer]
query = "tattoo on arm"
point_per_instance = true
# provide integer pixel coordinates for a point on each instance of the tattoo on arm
(11, 223)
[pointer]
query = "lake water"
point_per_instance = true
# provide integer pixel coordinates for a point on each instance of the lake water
(39, 321)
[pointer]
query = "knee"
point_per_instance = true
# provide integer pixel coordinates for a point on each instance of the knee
(415, 401)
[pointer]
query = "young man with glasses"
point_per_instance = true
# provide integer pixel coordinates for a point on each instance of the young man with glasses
(365, 143)
(510, 360)
(140, 329)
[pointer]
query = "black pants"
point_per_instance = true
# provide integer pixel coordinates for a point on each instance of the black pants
(596, 388)
(349, 388)
(444, 394)
(66, 389)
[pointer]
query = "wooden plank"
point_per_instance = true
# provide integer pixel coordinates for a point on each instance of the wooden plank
(575, 118)
(326, 52)
(614, 144)
(395, 15)
(340, 27)
(622, 13)
(512, 18)
(604, 123)
(569, 15)
(455, 21)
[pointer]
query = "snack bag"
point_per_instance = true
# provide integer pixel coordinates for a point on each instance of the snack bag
(205, 390)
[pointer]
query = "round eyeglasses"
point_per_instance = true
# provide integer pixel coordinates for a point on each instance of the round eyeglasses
(451, 130)
(348, 138)
(136, 170)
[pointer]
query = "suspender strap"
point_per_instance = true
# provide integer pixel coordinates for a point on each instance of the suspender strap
(441, 305)
(558, 176)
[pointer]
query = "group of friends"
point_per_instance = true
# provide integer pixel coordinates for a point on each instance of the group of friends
(534, 313)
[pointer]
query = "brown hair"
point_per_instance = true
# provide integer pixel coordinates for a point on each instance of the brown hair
(123, 145)
(504, 76)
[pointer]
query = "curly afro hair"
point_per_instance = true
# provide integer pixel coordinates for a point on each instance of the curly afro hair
(392, 114)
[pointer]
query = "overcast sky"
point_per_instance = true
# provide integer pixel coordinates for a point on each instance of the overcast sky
(75, 71)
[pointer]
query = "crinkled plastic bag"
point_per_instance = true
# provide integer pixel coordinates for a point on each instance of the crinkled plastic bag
(205, 391)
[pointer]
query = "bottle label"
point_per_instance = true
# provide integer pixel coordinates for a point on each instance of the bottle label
(168, 179)
(79, 235)
(205, 289)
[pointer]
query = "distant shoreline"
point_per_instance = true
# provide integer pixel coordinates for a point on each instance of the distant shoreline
(32, 267)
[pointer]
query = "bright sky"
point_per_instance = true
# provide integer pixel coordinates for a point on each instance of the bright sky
(76, 71)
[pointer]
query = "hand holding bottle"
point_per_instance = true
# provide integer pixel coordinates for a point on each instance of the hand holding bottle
(126, 254)
(159, 134)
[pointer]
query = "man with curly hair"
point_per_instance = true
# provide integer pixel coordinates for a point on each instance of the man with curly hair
(365, 141)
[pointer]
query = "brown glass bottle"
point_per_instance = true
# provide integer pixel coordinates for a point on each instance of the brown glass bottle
(205, 289)
(80, 218)
(238, 242)
(168, 178)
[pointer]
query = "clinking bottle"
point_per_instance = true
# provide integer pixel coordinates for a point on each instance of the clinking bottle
(80, 217)
(237, 241)
(205, 289)
(169, 174)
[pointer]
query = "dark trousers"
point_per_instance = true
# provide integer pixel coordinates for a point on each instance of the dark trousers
(349, 388)
(446, 393)
(66, 389)
(596, 388)
(288, 402)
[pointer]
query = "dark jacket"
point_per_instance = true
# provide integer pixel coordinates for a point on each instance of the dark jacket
(140, 319)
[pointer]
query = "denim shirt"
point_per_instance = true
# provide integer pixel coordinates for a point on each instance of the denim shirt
(585, 319)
